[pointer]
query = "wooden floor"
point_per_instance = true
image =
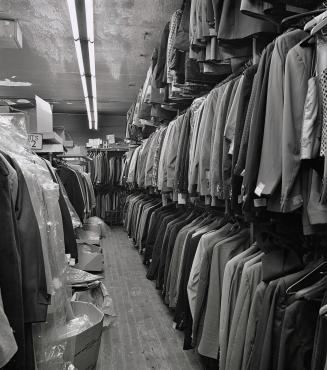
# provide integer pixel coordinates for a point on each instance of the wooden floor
(142, 336)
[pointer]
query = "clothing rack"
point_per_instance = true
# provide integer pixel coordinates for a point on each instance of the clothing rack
(74, 156)
(122, 149)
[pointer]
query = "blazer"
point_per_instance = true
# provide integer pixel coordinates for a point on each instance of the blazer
(222, 253)
(270, 170)
(297, 74)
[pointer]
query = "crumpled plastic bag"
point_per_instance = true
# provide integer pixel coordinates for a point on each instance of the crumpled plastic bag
(100, 297)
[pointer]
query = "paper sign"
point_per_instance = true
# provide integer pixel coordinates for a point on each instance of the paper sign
(111, 139)
(35, 141)
(259, 189)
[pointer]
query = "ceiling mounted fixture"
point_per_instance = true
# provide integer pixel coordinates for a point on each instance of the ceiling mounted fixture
(81, 18)
(11, 36)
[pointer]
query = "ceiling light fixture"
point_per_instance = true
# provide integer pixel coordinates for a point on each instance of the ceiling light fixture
(89, 20)
(95, 108)
(92, 58)
(73, 18)
(84, 46)
(85, 92)
(88, 110)
(94, 86)
(79, 57)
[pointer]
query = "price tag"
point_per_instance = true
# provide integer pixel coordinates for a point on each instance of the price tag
(259, 189)
(35, 141)
(164, 199)
(207, 200)
(181, 198)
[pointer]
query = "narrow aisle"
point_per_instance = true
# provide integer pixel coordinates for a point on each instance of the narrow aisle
(141, 337)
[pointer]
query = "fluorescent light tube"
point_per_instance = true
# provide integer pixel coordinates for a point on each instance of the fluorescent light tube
(79, 57)
(95, 112)
(73, 18)
(94, 86)
(95, 106)
(85, 92)
(88, 109)
(92, 58)
(89, 20)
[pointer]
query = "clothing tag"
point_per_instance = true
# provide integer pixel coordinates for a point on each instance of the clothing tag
(243, 191)
(262, 202)
(212, 32)
(240, 199)
(68, 256)
(231, 149)
(259, 189)
(181, 198)
(207, 200)
(243, 173)
(164, 199)
(72, 262)
(174, 325)
(297, 200)
(207, 174)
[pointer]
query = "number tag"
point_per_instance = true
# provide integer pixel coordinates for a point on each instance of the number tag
(35, 141)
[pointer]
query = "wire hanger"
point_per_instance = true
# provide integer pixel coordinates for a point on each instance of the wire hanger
(310, 278)
(289, 21)
(316, 29)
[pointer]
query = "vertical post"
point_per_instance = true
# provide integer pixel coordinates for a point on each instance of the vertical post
(254, 51)
(252, 236)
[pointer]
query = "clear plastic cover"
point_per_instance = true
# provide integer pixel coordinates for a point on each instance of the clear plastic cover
(73, 214)
(89, 235)
(44, 195)
(100, 297)
(78, 277)
(77, 326)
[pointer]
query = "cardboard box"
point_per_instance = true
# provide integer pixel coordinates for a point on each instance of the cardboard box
(87, 343)
(60, 130)
(111, 139)
(99, 296)
(94, 228)
(4, 109)
(40, 118)
(90, 258)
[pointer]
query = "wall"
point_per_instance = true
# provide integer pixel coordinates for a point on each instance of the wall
(78, 126)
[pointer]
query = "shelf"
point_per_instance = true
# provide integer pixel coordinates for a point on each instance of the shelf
(77, 157)
(52, 138)
(51, 148)
(69, 143)
(112, 149)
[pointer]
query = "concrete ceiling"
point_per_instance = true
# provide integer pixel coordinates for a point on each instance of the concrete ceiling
(126, 31)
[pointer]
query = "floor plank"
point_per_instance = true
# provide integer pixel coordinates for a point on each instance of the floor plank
(142, 336)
